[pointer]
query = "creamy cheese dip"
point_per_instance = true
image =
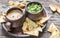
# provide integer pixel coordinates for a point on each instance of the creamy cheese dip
(14, 15)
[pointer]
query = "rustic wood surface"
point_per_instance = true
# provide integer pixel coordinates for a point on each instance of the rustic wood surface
(54, 19)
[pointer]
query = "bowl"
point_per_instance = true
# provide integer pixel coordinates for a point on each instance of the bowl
(37, 15)
(16, 22)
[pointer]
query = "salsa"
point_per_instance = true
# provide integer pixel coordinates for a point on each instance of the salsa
(34, 8)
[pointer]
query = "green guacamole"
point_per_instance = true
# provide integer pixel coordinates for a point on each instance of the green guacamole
(34, 8)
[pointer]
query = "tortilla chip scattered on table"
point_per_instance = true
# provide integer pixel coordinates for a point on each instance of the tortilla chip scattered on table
(11, 3)
(52, 7)
(2, 18)
(52, 28)
(55, 35)
(16, 4)
(55, 8)
(58, 10)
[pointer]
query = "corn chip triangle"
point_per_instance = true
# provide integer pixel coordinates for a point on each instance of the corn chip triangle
(38, 29)
(55, 35)
(33, 32)
(43, 20)
(29, 24)
(2, 18)
(52, 28)
(55, 32)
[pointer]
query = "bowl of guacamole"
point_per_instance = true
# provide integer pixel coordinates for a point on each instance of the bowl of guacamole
(34, 10)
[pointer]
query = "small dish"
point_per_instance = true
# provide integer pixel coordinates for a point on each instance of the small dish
(35, 15)
(16, 16)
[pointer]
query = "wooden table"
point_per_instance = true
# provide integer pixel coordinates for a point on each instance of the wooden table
(54, 19)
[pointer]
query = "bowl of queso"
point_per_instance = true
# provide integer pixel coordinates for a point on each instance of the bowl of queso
(16, 16)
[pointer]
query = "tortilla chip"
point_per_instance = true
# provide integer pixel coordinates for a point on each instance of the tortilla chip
(24, 28)
(55, 35)
(38, 23)
(31, 28)
(31, 23)
(58, 9)
(38, 29)
(28, 25)
(43, 20)
(24, 2)
(2, 18)
(52, 28)
(52, 7)
(11, 3)
(33, 32)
